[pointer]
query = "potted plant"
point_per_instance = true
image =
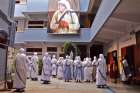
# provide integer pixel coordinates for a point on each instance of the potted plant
(69, 48)
(40, 65)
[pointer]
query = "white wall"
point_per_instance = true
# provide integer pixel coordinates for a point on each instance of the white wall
(124, 41)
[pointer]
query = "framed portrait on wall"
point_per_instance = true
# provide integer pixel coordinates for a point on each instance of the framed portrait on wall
(63, 17)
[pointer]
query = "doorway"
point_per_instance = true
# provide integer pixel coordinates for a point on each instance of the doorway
(95, 50)
(137, 58)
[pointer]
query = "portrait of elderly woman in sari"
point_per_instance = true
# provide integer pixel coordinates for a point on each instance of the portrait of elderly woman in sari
(64, 20)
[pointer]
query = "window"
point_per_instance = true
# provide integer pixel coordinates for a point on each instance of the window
(51, 49)
(30, 51)
(16, 25)
(21, 1)
(62, 55)
(34, 50)
(17, 1)
(35, 24)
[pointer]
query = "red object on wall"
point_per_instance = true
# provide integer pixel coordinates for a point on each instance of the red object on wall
(111, 65)
(123, 52)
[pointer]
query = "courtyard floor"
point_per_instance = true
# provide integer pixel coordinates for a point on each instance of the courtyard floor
(59, 86)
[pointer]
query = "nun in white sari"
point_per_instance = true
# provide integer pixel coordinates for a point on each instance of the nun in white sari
(78, 71)
(60, 68)
(101, 76)
(67, 69)
(47, 69)
(88, 70)
(94, 64)
(20, 71)
(28, 67)
(54, 66)
(34, 67)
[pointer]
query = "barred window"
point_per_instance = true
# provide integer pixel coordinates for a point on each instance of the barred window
(51, 49)
(35, 24)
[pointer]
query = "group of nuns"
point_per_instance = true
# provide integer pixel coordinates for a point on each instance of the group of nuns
(64, 69)
(68, 69)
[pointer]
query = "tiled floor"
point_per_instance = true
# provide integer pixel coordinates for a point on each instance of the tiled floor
(58, 86)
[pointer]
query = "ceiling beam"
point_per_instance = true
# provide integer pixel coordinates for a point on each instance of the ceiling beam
(122, 20)
(101, 39)
(112, 31)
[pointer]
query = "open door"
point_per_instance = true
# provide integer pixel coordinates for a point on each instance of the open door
(137, 56)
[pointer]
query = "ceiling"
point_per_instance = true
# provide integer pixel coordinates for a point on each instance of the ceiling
(124, 19)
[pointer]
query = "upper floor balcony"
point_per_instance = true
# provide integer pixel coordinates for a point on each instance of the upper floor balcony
(41, 35)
